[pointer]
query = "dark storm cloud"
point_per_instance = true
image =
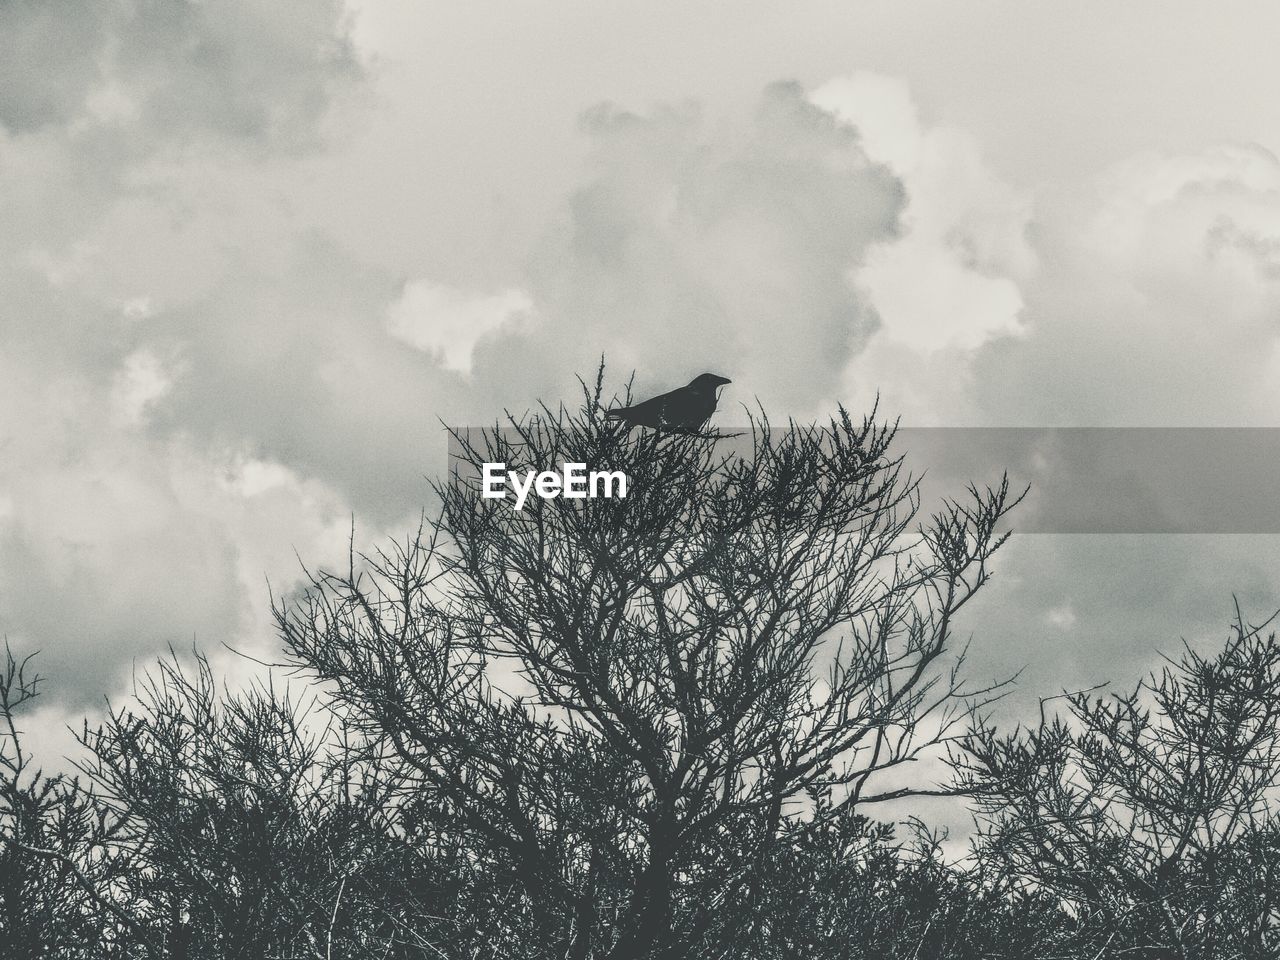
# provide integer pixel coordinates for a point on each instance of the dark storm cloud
(698, 245)
(259, 71)
(102, 595)
(688, 246)
(294, 364)
(138, 140)
(201, 369)
(49, 58)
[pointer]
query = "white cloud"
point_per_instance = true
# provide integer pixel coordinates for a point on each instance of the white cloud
(447, 323)
(950, 281)
(818, 245)
(108, 104)
(882, 110)
(1063, 617)
(1157, 301)
(252, 477)
(141, 212)
(696, 243)
(142, 380)
(137, 308)
(928, 300)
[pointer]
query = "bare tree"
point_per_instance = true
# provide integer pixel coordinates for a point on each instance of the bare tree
(650, 727)
(253, 826)
(621, 706)
(1147, 816)
(59, 873)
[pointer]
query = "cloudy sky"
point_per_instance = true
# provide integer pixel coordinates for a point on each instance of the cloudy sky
(254, 251)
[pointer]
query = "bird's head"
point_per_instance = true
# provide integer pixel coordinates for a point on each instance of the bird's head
(709, 381)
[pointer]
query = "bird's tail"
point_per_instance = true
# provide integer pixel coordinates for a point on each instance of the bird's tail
(617, 413)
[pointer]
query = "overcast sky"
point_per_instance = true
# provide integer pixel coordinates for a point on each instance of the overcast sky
(253, 251)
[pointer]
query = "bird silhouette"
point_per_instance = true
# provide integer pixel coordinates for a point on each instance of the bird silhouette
(684, 409)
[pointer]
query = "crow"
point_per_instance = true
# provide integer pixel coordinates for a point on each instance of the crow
(685, 409)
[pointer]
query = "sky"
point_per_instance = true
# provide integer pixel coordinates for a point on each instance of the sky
(255, 252)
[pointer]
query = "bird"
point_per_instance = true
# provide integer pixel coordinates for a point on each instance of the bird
(684, 409)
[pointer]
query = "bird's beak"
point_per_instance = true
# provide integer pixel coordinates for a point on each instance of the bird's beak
(724, 380)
